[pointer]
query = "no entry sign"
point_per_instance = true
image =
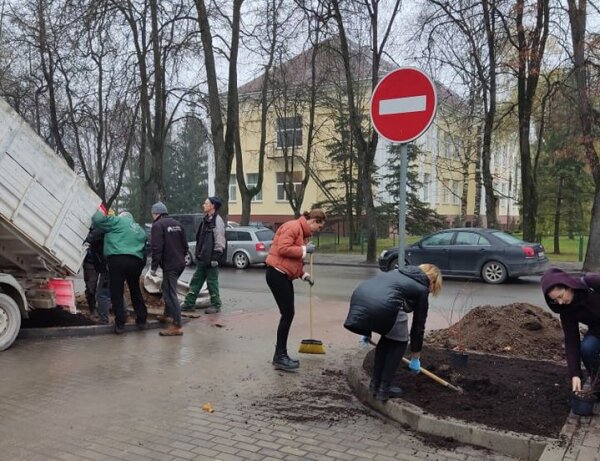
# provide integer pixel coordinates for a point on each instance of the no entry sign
(403, 104)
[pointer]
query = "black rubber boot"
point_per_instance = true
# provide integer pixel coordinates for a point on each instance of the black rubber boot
(386, 392)
(281, 361)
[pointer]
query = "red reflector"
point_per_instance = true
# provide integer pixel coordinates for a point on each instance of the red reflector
(529, 252)
(260, 246)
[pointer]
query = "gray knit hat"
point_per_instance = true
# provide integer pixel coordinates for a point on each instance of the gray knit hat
(159, 208)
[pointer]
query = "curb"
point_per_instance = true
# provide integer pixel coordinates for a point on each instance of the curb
(87, 330)
(524, 446)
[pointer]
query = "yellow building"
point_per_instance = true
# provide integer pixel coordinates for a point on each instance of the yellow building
(443, 167)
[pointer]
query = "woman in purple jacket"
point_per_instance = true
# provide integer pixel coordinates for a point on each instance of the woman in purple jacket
(577, 300)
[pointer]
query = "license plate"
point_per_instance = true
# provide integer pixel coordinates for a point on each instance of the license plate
(541, 254)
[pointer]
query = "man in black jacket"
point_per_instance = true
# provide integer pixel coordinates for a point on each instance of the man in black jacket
(169, 247)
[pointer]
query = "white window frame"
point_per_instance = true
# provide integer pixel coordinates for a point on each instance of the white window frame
(280, 185)
(251, 181)
(288, 128)
(232, 188)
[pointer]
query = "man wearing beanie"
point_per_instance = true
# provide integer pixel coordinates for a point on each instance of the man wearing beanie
(169, 247)
(210, 245)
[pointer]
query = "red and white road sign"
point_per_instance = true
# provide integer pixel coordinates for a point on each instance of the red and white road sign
(403, 104)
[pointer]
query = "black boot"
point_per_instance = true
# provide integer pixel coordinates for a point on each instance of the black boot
(373, 386)
(91, 302)
(386, 392)
(291, 359)
(281, 361)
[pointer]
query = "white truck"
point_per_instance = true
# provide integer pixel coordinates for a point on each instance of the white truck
(45, 214)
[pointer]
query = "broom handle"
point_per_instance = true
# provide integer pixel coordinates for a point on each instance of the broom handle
(310, 306)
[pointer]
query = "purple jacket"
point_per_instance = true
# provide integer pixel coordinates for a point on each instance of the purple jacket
(585, 308)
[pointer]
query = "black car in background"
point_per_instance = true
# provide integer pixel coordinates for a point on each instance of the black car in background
(491, 254)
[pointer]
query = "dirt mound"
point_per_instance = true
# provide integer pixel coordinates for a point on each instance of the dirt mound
(517, 329)
(153, 301)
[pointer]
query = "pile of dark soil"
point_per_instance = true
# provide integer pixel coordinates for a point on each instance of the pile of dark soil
(59, 317)
(501, 392)
(515, 379)
(56, 317)
(523, 330)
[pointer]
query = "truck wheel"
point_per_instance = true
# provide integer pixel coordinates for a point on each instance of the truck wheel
(10, 321)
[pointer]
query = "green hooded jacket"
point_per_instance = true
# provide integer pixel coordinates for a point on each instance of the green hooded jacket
(123, 236)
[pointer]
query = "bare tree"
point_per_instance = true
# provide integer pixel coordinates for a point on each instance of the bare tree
(267, 36)
(160, 33)
(589, 118)
(223, 139)
(462, 36)
(366, 143)
(527, 27)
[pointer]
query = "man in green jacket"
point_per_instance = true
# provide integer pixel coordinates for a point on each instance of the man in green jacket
(124, 243)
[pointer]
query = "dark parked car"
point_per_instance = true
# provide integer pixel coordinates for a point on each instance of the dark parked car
(246, 245)
(490, 254)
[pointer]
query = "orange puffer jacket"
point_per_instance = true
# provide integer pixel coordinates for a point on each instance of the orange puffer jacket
(286, 252)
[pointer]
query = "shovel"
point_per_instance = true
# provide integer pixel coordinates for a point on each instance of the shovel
(437, 379)
(429, 374)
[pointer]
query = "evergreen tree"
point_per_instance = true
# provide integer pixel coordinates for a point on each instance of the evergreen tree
(186, 168)
(420, 218)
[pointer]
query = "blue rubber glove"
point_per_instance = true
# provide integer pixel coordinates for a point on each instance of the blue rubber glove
(364, 342)
(415, 365)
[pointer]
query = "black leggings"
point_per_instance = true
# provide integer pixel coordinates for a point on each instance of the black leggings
(283, 292)
(388, 355)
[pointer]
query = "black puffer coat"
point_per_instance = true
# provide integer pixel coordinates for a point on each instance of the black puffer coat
(376, 302)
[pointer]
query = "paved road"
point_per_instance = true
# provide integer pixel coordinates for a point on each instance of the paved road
(139, 396)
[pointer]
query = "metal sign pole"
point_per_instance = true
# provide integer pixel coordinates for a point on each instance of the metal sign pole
(402, 204)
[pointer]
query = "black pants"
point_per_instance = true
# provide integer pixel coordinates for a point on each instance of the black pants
(121, 269)
(388, 355)
(283, 292)
(169, 294)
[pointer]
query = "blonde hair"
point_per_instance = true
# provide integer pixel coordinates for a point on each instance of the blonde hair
(435, 277)
(317, 214)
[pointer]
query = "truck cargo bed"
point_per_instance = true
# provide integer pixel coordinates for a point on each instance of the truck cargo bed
(45, 208)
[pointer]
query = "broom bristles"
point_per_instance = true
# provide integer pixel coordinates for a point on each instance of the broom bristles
(311, 346)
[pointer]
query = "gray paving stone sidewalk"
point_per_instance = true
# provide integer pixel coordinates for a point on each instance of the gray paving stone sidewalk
(138, 396)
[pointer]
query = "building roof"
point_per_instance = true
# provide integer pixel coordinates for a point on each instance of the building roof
(330, 69)
(329, 65)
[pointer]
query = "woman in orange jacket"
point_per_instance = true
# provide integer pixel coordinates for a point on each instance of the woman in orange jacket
(284, 264)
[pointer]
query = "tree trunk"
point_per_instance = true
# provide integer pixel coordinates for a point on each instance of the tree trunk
(557, 211)
(577, 19)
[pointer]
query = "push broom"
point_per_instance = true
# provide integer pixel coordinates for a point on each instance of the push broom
(311, 346)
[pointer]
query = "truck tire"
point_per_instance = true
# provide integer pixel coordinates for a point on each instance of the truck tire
(10, 321)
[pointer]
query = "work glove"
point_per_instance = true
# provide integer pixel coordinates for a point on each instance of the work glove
(307, 278)
(415, 365)
(153, 273)
(214, 263)
(310, 248)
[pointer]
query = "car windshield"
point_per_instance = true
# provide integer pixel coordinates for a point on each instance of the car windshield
(507, 238)
(265, 235)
